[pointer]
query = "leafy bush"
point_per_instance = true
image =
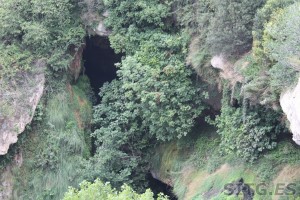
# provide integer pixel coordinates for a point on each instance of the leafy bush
(275, 52)
(133, 22)
(13, 60)
(262, 17)
(99, 190)
(166, 112)
(281, 45)
(141, 14)
(42, 28)
(247, 134)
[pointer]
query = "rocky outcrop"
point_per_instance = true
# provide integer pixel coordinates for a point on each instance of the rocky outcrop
(227, 68)
(290, 103)
(101, 30)
(94, 21)
(75, 66)
(18, 100)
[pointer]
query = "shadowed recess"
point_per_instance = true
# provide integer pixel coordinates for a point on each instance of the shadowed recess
(99, 62)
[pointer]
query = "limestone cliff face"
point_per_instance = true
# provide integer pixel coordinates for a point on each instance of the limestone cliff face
(290, 103)
(18, 100)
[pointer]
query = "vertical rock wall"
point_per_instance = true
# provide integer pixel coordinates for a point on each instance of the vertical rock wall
(290, 103)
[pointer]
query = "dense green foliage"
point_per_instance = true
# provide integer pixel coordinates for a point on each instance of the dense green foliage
(275, 51)
(169, 102)
(46, 30)
(224, 27)
(230, 32)
(13, 59)
(282, 46)
(118, 131)
(133, 22)
(250, 135)
(156, 98)
(247, 131)
(153, 99)
(262, 17)
(99, 190)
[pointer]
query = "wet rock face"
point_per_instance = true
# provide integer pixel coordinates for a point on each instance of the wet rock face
(18, 100)
(290, 104)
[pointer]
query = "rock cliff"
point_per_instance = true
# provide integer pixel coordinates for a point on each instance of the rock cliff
(290, 103)
(18, 100)
(227, 68)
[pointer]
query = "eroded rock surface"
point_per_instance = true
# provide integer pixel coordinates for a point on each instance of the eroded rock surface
(75, 66)
(227, 68)
(290, 103)
(101, 30)
(94, 21)
(18, 100)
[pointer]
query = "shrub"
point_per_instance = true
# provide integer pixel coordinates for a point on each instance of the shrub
(262, 17)
(14, 59)
(45, 29)
(230, 32)
(99, 190)
(281, 45)
(247, 134)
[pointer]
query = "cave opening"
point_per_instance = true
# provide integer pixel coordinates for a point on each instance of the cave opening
(99, 62)
(158, 186)
(99, 65)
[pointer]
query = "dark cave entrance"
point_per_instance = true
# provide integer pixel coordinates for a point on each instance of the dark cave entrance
(159, 187)
(99, 65)
(99, 62)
